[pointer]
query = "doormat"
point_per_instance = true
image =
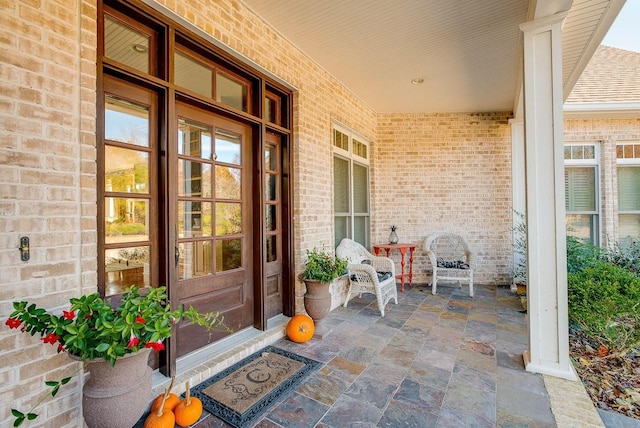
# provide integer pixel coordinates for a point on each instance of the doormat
(243, 391)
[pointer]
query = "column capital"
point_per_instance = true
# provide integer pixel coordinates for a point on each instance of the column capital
(544, 23)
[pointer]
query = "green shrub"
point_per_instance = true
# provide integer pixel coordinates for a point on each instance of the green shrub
(581, 255)
(604, 302)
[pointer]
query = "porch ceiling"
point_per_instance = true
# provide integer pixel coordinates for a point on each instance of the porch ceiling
(467, 51)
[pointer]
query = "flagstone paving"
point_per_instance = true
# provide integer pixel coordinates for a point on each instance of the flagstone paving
(447, 360)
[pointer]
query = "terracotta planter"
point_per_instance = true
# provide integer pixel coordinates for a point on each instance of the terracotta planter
(117, 396)
(317, 299)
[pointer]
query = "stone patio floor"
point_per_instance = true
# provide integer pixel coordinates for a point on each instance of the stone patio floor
(447, 360)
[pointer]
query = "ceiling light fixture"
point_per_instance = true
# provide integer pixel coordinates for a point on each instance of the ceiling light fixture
(138, 48)
(417, 81)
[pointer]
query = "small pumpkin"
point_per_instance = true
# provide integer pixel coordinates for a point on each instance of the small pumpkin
(162, 418)
(300, 328)
(171, 400)
(188, 410)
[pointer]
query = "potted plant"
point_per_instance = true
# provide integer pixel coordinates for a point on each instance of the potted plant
(111, 341)
(320, 269)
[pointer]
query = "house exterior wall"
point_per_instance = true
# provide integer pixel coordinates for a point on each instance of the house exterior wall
(607, 133)
(444, 171)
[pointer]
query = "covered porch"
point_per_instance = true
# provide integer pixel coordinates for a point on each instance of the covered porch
(433, 361)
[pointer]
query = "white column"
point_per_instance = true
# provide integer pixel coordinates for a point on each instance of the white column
(547, 310)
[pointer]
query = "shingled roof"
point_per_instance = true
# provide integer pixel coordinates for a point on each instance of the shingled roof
(612, 76)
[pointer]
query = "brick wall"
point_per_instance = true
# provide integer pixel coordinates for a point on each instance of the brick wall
(47, 170)
(446, 172)
(607, 133)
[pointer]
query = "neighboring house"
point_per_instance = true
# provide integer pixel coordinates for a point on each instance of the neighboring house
(189, 143)
(602, 149)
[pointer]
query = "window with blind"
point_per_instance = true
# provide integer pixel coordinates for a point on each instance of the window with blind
(628, 157)
(350, 186)
(581, 192)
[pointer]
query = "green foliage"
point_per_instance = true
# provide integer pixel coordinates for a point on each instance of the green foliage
(322, 266)
(520, 248)
(604, 301)
(581, 255)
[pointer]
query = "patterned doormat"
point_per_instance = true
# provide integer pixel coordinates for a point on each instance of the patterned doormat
(243, 391)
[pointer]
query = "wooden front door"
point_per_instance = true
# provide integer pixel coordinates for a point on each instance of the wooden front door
(213, 222)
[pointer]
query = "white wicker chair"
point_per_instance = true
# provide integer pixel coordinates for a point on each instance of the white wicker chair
(364, 278)
(451, 259)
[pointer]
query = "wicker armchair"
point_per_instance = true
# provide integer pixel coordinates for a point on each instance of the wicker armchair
(451, 259)
(369, 273)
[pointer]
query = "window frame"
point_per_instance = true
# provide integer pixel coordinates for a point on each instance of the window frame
(626, 162)
(352, 159)
(596, 215)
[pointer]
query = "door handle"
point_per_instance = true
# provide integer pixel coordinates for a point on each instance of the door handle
(175, 246)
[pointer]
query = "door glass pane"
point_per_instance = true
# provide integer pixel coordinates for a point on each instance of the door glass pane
(126, 122)
(231, 92)
(194, 140)
(194, 219)
(228, 218)
(271, 158)
(360, 189)
(270, 220)
(126, 45)
(270, 184)
(126, 171)
(228, 254)
(125, 267)
(228, 182)
(270, 109)
(340, 185)
(195, 179)
(193, 75)
(227, 148)
(271, 248)
(126, 220)
(195, 259)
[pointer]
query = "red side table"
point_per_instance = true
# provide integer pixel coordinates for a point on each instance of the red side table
(403, 251)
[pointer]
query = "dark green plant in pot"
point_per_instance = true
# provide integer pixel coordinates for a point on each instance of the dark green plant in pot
(322, 266)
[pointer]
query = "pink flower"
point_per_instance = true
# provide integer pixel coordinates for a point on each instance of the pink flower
(50, 338)
(133, 341)
(157, 346)
(13, 322)
(140, 319)
(68, 315)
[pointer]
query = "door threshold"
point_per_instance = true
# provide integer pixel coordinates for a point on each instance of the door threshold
(203, 363)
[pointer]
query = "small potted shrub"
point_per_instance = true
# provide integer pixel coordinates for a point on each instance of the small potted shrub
(320, 269)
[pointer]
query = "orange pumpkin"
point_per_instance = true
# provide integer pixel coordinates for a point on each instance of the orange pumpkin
(171, 401)
(162, 418)
(189, 410)
(300, 328)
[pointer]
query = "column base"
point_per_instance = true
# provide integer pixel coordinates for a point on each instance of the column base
(569, 373)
